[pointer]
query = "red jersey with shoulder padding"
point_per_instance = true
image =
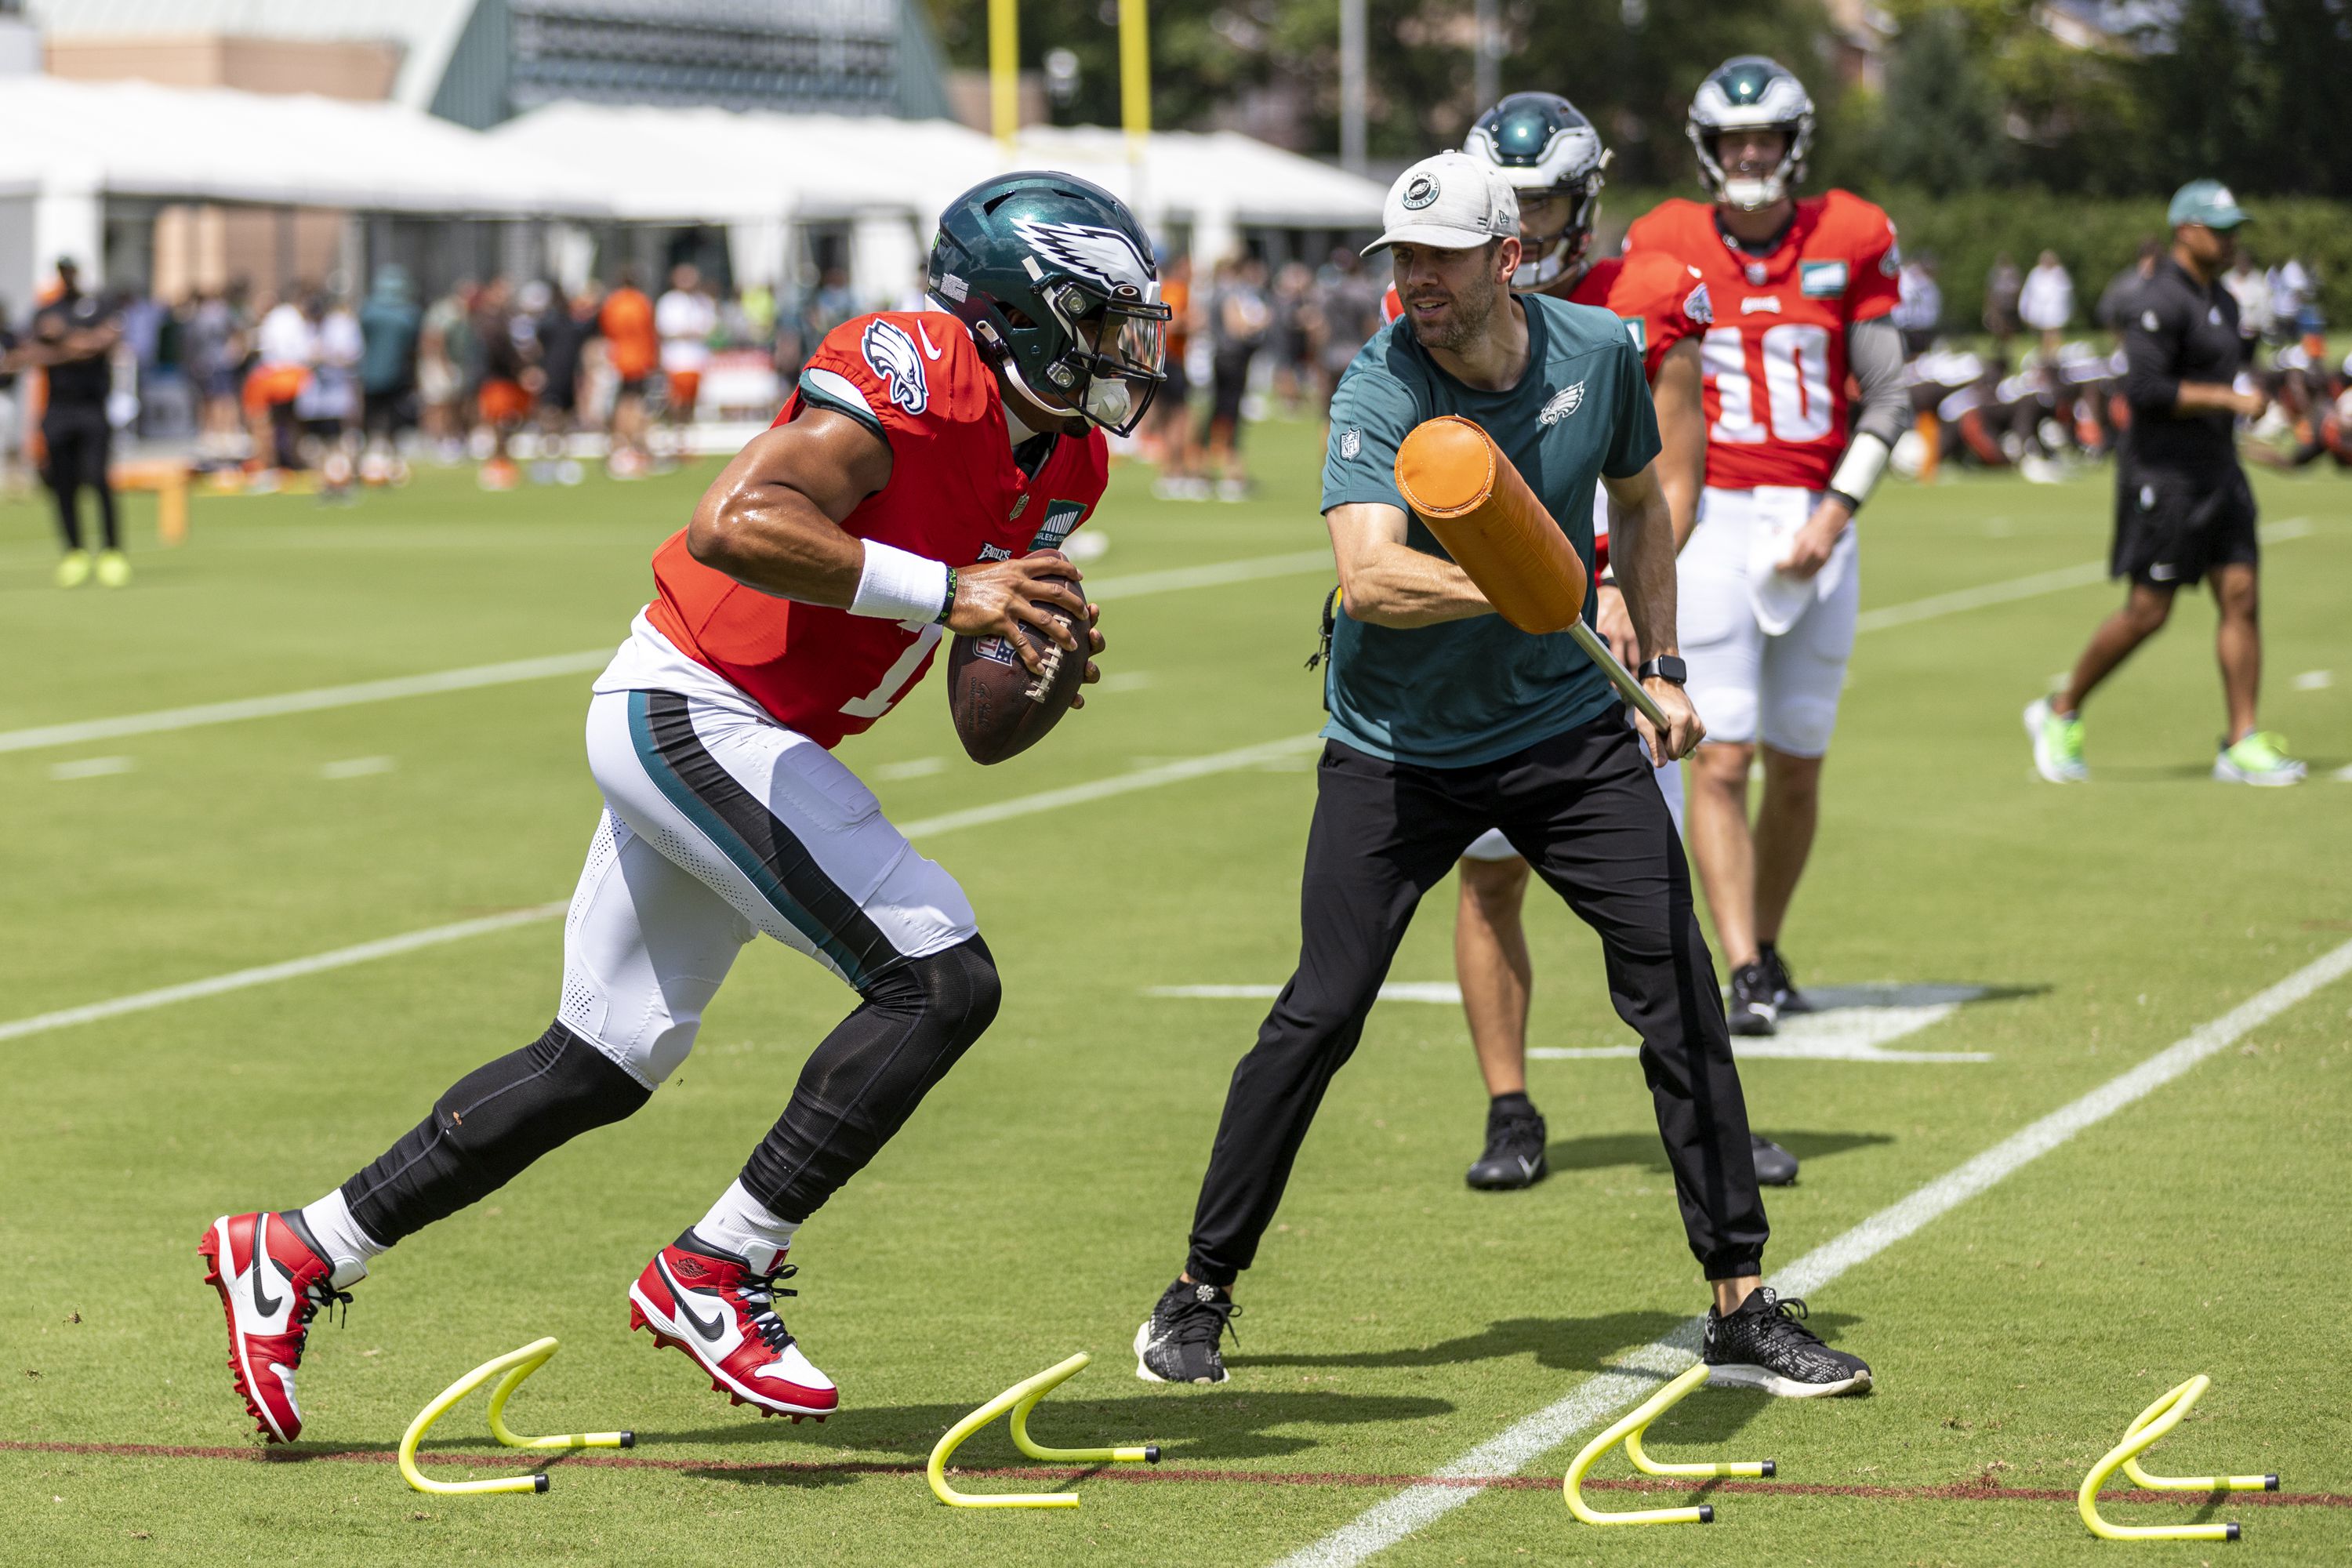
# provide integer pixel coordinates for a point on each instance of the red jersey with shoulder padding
(1774, 356)
(1660, 300)
(955, 494)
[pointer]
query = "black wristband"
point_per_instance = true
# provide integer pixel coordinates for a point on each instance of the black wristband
(1665, 667)
(948, 609)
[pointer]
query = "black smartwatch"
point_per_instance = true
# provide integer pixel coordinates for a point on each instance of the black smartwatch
(1665, 667)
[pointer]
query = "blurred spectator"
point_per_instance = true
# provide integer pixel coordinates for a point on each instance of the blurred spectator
(498, 394)
(443, 342)
(328, 404)
(1239, 321)
(10, 408)
(633, 350)
(73, 337)
(1919, 307)
(389, 324)
(686, 317)
(2046, 303)
(2252, 290)
(1167, 437)
(564, 328)
(2290, 283)
(2115, 301)
(1286, 338)
(285, 344)
(215, 356)
(2002, 285)
(832, 303)
(1347, 314)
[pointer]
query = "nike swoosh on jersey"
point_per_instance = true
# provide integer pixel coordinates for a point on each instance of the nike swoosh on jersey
(263, 1304)
(714, 1330)
(928, 349)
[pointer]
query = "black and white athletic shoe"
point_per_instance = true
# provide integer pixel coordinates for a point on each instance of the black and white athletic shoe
(1765, 1345)
(1178, 1343)
(1775, 1166)
(1786, 998)
(1752, 1009)
(1515, 1147)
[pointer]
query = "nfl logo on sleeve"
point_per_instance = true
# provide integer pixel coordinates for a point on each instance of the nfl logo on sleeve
(1350, 443)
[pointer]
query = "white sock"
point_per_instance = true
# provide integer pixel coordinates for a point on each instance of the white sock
(744, 1226)
(348, 1246)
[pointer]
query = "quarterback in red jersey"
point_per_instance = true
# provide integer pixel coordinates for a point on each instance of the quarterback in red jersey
(919, 461)
(1554, 161)
(1802, 289)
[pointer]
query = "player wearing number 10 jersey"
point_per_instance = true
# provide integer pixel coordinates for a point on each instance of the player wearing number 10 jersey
(1769, 585)
(919, 459)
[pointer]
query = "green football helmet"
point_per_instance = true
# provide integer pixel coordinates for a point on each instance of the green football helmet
(1749, 92)
(1544, 148)
(1055, 277)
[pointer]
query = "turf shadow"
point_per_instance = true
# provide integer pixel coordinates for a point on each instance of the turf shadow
(1604, 1151)
(1559, 1344)
(1223, 1423)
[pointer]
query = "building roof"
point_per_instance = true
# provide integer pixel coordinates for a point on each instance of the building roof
(426, 31)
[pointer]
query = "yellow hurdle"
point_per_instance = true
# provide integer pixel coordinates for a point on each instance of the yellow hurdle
(2146, 1429)
(1021, 1399)
(1630, 1429)
(515, 1365)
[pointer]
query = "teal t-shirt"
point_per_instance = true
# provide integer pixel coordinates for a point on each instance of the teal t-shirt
(1461, 693)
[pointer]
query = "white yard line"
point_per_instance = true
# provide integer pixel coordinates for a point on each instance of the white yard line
(1391, 1520)
(1135, 584)
(435, 936)
(2031, 587)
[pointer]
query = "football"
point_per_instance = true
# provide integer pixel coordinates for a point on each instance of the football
(1000, 709)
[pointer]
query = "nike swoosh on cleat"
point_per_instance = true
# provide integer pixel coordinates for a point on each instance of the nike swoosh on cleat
(263, 1304)
(712, 1331)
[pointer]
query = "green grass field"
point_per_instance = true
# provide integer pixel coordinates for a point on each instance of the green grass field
(1039, 1201)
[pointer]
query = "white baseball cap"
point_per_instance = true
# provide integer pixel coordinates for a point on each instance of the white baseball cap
(1453, 200)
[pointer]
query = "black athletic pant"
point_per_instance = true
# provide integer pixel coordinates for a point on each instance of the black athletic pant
(1584, 810)
(81, 444)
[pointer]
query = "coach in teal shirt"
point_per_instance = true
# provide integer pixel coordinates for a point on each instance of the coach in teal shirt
(1460, 692)
(1446, 722)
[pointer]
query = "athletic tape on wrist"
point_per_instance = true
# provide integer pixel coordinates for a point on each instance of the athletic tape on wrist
(1858, 471)
(899, 585)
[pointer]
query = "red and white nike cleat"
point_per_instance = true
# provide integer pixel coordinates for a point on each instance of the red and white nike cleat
(271, 1284)
(714, 1308)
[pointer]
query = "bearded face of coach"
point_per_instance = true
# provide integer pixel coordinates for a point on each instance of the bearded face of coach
(1450, 297)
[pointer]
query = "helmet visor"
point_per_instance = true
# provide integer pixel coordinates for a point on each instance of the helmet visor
(1123, 353)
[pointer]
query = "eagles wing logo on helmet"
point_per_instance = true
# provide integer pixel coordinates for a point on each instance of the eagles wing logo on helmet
(891, 355)
(1103, 256)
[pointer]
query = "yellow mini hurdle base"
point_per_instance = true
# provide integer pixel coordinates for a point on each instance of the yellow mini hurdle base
(2146, 1429)
(1630, 1429)
(515, 1365)
(1021, 1399)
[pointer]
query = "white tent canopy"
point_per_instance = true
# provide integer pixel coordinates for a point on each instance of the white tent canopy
(756, 172)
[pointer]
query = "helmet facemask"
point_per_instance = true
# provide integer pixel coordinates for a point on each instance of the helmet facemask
(1548, 258)
(1751, 192)
(1751, 93)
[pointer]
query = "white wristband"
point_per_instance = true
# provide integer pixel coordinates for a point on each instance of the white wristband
(1858, 471)
(899, 585)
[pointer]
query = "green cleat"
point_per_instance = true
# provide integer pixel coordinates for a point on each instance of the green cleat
(2258, 759)
(74, 570)
(113, 569)
(2057, 743)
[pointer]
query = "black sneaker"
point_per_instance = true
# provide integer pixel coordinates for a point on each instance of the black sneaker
(1752, 1009)
(1775, 1166)
(1515, 1147)
(1786, 998)
(1763, 1345)
(1178, 1343)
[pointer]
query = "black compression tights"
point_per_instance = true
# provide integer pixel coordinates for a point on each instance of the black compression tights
(859, 1086)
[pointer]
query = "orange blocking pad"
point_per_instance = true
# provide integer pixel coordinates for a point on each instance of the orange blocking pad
(169, 481)
(1465, 490)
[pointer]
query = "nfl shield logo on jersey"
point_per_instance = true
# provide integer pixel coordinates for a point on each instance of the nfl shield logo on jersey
(890, 353)
(1350, 443)
(1563, 403)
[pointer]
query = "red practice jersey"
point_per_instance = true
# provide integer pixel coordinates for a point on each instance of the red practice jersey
(1775, 355)
(955, 495)
(1660, 300)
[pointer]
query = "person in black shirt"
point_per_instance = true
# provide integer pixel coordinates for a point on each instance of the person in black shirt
(2184, 511)
(71, 337)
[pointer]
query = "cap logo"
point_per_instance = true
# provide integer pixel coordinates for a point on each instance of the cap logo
(2222, 198)
(1420, 190)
